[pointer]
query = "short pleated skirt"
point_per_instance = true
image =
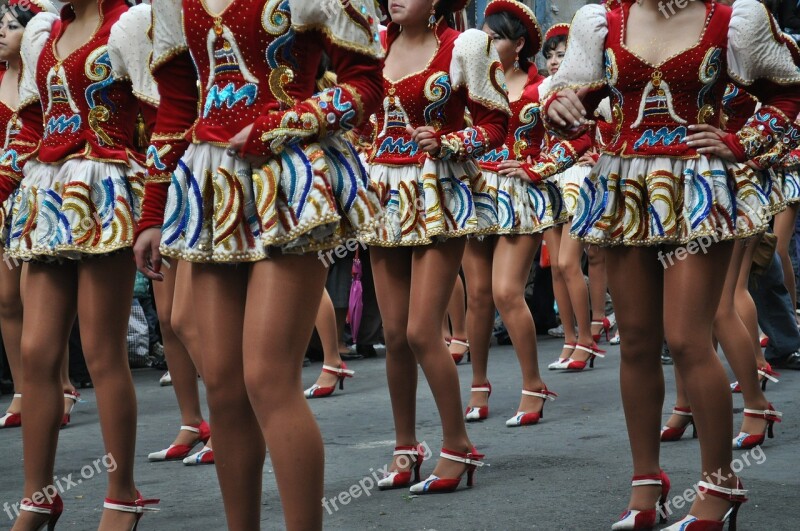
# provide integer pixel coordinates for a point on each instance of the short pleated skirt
(570, 182)
(439, 200)
(663, 200)
(772, 188)
(309, 198)
(75, 209)
(524, 207)
(789, 179)
(5, 218)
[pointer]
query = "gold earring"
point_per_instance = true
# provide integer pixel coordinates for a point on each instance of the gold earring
(516, 63)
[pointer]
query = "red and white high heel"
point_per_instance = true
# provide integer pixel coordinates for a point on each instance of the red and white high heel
(203, 457)
(605, 327)
(635, 519)
(177, 452)
(528, 419)
(74, 396)
(458, 356)
(745, 441)
(11, 420)
(579, 365)
(736, 496)
(316, 391)
(473, 414)
(436, 484)
(765, 374)
(53, 509)
(395, 480)
(670, 434)
(561, 363)
(138, 506)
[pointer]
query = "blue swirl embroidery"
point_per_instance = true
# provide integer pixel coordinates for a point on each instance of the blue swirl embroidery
(709, 73)
(397, 146)
(62, 123)
(495, 155)
(529, 117)
(437, 91)
(154, 160)
(229, 96)
(100, 69)
(333, 97)
(662, 135)
(9, 159)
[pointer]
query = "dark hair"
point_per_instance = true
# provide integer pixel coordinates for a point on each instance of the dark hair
(509, 27)
(23, 16)
(552, 43)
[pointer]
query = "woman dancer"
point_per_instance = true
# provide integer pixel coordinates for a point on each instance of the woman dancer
(85, 78)
(569, 286)
(13, 20)
(300, 189)
(666, 138)
(433, 194)
(497, 267)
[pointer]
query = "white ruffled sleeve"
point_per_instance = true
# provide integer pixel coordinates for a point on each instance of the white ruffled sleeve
(129, 49)
(755, 48)
(33, 40)
(476, 66)
(169, 39)
(583, 65)
(347, 24)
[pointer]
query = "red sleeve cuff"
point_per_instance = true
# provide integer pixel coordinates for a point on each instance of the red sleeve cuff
(155, 201)
(732, 141)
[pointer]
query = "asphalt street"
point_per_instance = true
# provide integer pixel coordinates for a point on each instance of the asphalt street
(570, 472)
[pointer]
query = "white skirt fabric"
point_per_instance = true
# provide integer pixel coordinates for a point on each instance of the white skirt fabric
(772, 188)
(789, 178)
(651, 201)
(570, 182)
(524, 207)
(439, 200)
(75, 209)
(5, 218)
(309, 198)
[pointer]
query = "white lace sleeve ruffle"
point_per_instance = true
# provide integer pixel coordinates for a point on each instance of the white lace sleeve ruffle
(755, 49)
(351, 24)
(33, 40)
(583, 64)
(476, 66)
(169, 39)
(129, 49)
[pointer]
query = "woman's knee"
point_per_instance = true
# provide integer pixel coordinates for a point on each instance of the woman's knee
(10, 302)
(508, 298)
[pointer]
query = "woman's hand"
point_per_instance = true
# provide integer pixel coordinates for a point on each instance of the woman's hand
(587, 159)
(147, 255)
(567, 110)
(512, 168)
(426, 138)
(238, 143)
(707, 140)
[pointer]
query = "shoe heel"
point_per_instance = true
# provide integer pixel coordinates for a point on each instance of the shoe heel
(764, 384)
(769, 429)
(694, 430)
(470, 476)
(660, 512)
(417, 468)
(732, 517)
(341, 384)
(591, 361)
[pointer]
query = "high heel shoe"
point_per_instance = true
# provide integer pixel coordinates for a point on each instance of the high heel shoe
(177, 452)
(138, 506)
(528, 419)
(479, 413)
(765, 374)
(736, 496)
(670, 434)
(316, 391)
(579, 365)
(458, 356)
(53, 509)
(395, 480)
(436, 484)
(11, 420)
(561, 363)
(605, 325)
(203, 457)
(635, 519)
(74, 396)
(745, 441)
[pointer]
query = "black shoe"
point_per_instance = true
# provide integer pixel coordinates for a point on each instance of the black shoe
(791, 362)
(366, 351)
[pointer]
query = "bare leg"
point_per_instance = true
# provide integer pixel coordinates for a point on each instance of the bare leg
(50, 294)
(434, 269)
(513, 259)
(695, 287)
(391, 269)
(326, 327)
(784, 230)
(181, 368)
(597, 285)
(220, 294)
(477, 266)
(681, 401)
(11, 323)
(283, 296)
(745, 306)
(552, 238)
(569, 262)
(635, 280)
(458, 320)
